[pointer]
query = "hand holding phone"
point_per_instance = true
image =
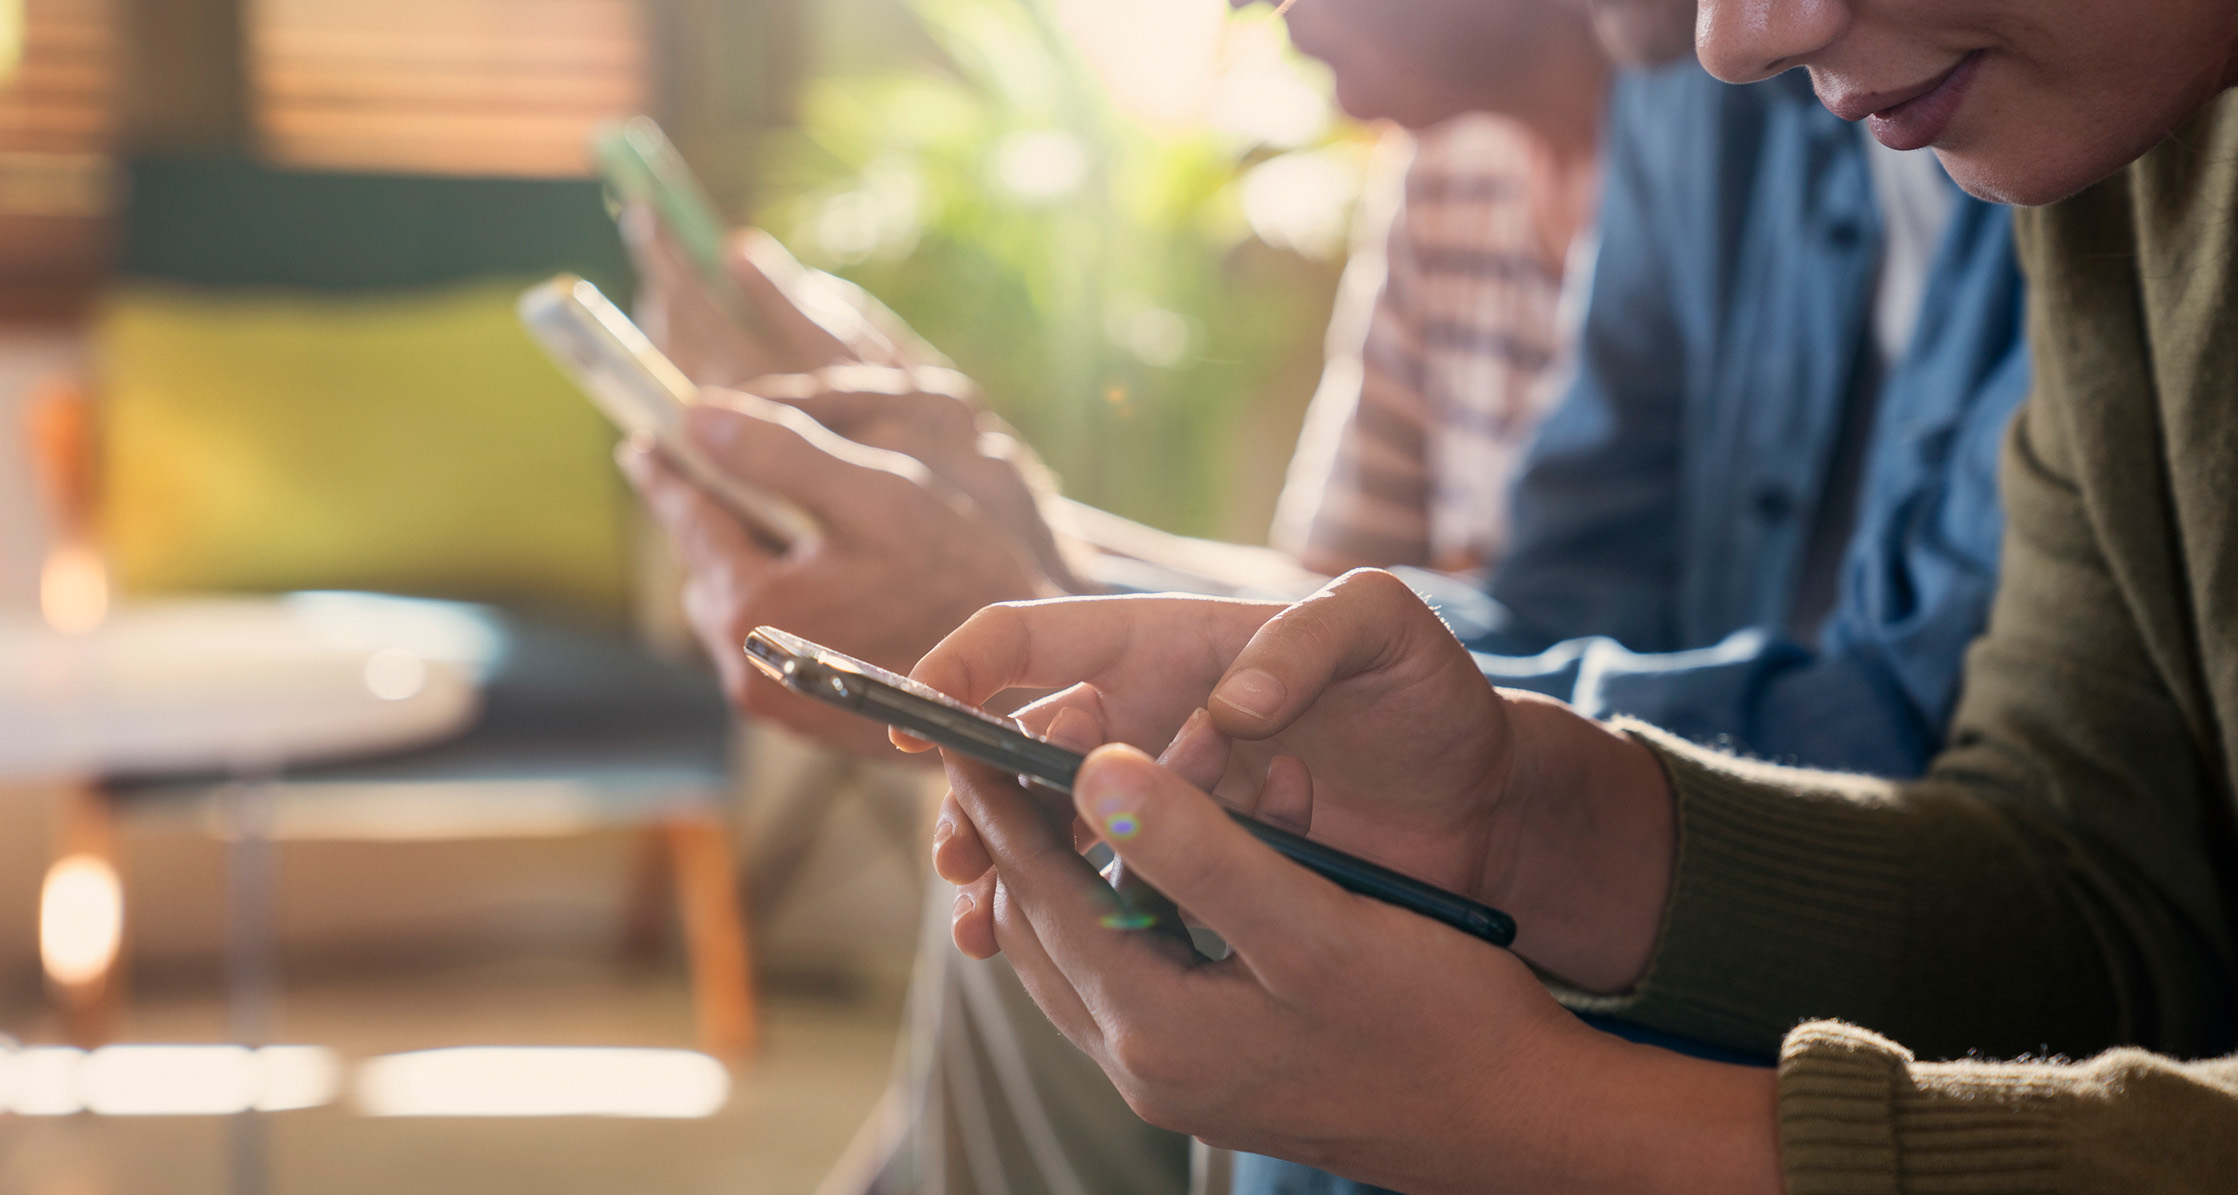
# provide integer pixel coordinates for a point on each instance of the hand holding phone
(646, 395)
(841, 680)
(643, 167)
(795, 318)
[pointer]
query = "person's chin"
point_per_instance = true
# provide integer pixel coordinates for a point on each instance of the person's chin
(2022, 174)
(2042, 157)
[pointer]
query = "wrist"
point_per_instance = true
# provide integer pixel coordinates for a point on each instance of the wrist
(1590, 845)
(1653, 1120)
(1575, 1110)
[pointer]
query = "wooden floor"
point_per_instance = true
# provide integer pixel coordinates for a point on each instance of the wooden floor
(824, 1061)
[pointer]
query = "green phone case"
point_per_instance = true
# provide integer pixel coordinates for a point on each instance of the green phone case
(642, 165)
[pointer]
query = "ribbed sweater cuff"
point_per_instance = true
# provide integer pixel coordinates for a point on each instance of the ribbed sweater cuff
(1858, 1118)
(1784, 901)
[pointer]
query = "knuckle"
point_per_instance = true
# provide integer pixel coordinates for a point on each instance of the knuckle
(1375, 585)
(939, 381)
(1168, 1101)
(1155, 1111)
(738, 688)
(1147, 1063)
(1000, 623)
(706, 610)
(1192, 871)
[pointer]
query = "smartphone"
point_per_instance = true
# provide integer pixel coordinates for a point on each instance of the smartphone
(838, 679)
(644, 393)
(642, 166)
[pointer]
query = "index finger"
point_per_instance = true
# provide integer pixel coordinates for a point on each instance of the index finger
(773, 446)
(821, 327)
(879, 406)
(1056, 642)
(1354, 624)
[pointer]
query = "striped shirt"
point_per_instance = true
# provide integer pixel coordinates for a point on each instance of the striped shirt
(1441, 357)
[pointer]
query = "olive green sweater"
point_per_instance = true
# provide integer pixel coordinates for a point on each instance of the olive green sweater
(2062, 880)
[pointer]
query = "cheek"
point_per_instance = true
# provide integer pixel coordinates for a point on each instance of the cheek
(2075, 91)
(2025, 141)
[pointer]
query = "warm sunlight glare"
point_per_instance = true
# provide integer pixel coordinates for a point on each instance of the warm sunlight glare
(81, 919)
(394, 674)
(543, 1081)
(74, 589)
(153, 1080)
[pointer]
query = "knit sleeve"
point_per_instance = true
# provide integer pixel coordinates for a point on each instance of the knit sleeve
(2056, 882)
(1859, 1115)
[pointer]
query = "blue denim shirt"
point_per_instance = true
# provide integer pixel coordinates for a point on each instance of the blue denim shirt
(1662, 520)
(1667, 506)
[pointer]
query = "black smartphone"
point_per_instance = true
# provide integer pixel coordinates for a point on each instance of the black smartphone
(839, 679)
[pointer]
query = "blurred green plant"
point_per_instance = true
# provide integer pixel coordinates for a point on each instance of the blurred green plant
(1094, 267)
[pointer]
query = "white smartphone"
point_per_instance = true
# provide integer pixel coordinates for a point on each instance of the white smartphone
(644, 393)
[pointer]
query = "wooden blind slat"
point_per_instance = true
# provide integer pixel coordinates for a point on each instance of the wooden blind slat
(446, 86)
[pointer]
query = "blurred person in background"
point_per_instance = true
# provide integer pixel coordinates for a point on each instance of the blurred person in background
(1435, 377)
(1440, 350)
(1751, 317)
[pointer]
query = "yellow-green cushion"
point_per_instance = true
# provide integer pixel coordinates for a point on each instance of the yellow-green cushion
(415, 443)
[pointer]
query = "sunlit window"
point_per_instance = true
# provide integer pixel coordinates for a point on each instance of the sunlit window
(55, 176)
(508, 87)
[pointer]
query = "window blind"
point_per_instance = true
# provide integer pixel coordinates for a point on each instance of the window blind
(484, 87)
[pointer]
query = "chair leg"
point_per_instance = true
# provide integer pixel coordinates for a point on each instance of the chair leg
(82, 941)
(645, 900)
(715, 941)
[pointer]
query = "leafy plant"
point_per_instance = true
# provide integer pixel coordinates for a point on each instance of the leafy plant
(1092, 266)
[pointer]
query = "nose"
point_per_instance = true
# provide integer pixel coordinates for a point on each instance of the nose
(1741, 41)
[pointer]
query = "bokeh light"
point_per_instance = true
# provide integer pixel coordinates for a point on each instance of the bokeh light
(544, 1081)
(81, 919)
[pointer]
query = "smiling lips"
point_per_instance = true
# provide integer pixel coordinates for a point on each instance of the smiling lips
(1912, 117)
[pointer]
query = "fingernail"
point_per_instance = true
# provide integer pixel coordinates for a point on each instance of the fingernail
(636, 223)
(943, 830)
(1182, 738)
(630, 459)
(964, 904)
(1116, 802)
(1252, 692)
